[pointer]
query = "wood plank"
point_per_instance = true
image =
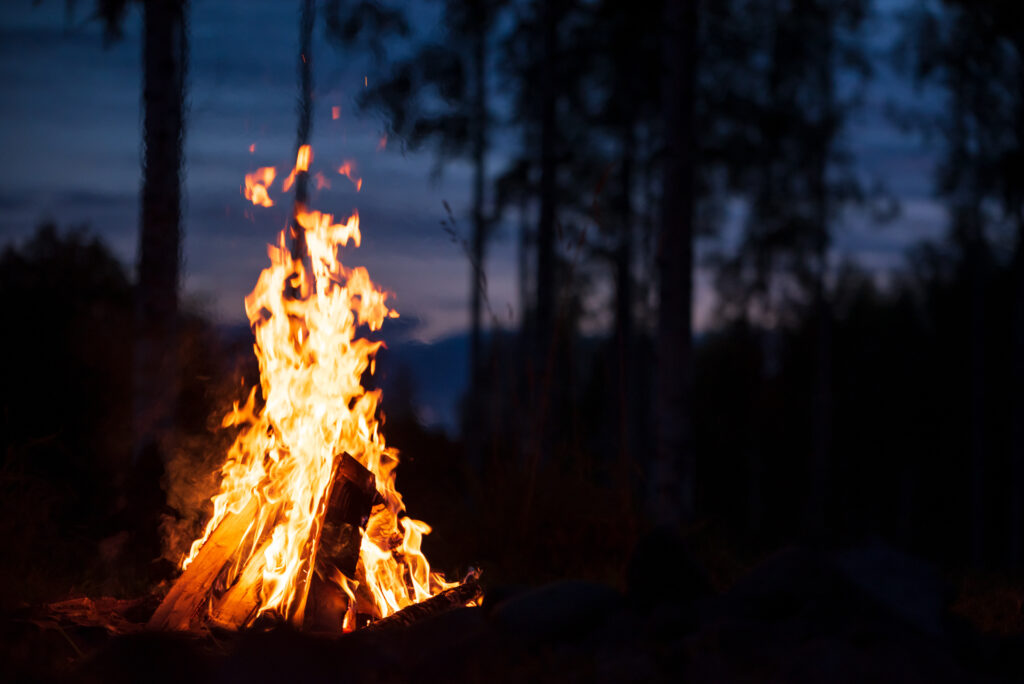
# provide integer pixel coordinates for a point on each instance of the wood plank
(192, 588)
(344, 512)
(237, 607)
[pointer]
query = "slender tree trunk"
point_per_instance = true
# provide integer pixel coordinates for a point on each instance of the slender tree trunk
(472, 432)
(822, 406)
(479, 179)
(624, 300)
(1017, 407)
(821, 411)
(523, 265)
(545, 309)
(164, 59)
(976, 278)
(674, 468)
(307, 18)
(545, 399)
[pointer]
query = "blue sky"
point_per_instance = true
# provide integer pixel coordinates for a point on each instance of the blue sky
(69, 131)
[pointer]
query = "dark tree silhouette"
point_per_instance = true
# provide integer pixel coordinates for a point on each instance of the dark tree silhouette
(796, 175)
(974, 51)
(673, 469)
(307, 18)
(164, 68)
(439, 97)
(165, 54)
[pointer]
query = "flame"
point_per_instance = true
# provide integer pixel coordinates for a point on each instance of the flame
(335, 112)
(257, 184)
(305, 315)
(252, 148)
(321, 181)
(302, 160)
(382, 143)
(348, 170)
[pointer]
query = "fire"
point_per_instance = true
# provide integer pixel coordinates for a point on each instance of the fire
(257, 184)
(302, 160)
(348, 170)
(310, 410)
(321, 181)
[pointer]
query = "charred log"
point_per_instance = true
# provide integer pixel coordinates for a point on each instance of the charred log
(450, 599)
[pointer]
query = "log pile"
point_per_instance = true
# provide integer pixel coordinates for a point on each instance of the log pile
(213, 590)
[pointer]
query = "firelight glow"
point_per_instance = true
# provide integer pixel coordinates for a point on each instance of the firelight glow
(306, 315)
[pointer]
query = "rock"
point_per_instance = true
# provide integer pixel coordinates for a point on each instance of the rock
(564, 609)
(909, 587)
(663, 570)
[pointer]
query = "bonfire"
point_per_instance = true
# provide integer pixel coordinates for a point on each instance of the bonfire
(308, 527)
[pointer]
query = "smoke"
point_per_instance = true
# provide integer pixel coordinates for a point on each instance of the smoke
(217, 368)
(191, 478)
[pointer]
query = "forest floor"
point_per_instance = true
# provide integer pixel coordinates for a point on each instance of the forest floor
(855, 615)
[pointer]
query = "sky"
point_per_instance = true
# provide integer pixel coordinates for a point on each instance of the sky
(70, 136)
(70, 127)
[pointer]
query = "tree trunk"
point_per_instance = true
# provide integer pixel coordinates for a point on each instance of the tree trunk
(674, 468)
(544, 327)
(977, 282)
(821, 408)
(822, 397)
(1017, 406)
(306, 20)
(164, 59)
(479, 179)
(476, 416)
(624, 412)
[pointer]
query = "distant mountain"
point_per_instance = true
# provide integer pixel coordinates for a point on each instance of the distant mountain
(439, 375)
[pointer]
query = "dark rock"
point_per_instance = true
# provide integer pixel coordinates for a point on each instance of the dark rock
(911, 588)
(662, 569)
(567, 609)
(495, 595)
(793, 582)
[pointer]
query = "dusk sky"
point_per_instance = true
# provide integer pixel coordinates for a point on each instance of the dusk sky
(70, 134)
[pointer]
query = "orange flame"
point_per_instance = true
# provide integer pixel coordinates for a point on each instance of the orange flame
(305, 315)
(302, 160)
(335, 112)
(321, 181)
(257, 184)
(382, 143)
(348, 170)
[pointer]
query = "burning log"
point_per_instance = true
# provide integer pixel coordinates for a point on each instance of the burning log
(450, 599)
(352, 497)
(192, 589)
(236, 608)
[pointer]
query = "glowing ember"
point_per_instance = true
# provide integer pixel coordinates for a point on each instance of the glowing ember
(257, 184)
(321, 181)
(314, 409)
(348, 171)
